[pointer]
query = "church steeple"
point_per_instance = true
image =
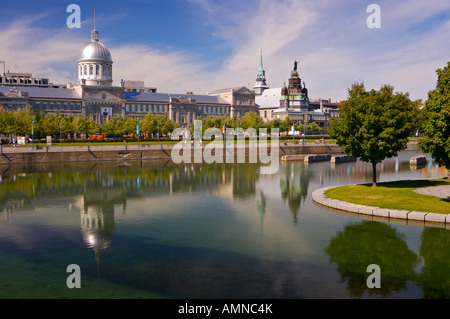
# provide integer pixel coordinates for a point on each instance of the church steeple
(260, 84)
(261, 75)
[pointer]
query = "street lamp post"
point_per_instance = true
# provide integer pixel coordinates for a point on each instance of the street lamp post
(32, 134)
(60, 132)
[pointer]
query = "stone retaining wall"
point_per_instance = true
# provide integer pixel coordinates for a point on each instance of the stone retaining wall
(22, 155)
(319, 197)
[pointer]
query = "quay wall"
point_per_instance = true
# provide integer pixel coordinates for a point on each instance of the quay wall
(93, 153)
(57, 154)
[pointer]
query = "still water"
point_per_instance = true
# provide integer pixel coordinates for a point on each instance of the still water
(154, 229)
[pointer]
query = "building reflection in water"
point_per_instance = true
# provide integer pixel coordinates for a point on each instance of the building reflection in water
(98, 189)
(294, 183)
(97, 217)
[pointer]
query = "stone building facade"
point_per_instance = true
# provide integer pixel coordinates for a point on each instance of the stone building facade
(95, 96)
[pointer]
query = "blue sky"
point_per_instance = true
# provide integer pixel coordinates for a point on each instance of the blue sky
(203, 45)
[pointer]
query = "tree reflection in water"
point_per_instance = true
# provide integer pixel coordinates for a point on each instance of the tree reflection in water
(366, 243)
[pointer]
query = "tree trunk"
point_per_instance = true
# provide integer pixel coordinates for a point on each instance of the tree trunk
(374, 173)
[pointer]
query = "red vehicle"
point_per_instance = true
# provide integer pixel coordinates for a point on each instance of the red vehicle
(98, 136)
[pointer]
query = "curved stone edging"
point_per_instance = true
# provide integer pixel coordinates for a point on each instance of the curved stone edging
(319, 197)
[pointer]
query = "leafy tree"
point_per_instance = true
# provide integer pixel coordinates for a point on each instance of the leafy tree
(374, 125)
(148, 124)
(114, 125)
(82, 125)
(436, 120)
(49, 125)
(67, 124)
(300, 127)
(252, 120)
(166, 125)
(7, 122)
(129, 126)
(23, 119)
(313, 127)
(92, 127)
(286, 124)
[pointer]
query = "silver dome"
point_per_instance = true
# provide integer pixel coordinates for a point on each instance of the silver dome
(95, 50)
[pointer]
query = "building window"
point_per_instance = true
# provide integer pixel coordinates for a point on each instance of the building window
(127, 108)
(91, 69)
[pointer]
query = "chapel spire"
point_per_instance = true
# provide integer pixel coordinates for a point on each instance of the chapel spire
(260, 84)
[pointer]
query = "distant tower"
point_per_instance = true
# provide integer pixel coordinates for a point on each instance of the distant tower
(260, 84)
(295, 83)
(285, 97)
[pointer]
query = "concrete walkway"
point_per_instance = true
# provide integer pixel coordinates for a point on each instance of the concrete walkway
(438, 191)
(319, 197)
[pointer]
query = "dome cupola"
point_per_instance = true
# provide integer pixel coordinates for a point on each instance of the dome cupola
(95, 63)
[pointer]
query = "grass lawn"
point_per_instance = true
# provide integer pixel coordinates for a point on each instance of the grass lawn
(395, 195)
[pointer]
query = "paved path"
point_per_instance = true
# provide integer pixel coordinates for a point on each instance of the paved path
(438, 191)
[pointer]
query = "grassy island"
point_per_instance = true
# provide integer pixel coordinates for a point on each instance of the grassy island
(394, 195)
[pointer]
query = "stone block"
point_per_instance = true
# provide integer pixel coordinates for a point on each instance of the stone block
(419, 216)
(367, 210)
(381, 212)
(437, 218)
(398, 214)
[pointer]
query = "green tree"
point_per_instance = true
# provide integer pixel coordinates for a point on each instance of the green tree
(129, 126)
(436, 120)
(81, 125)
(166, 125)
(149, 125)
(49, 125)
(313, 127)
(286, 124)
(300, 127)
(23, 119)
(67, 124)
(374, 125)
(7, 122)
(91, 127)
(114, 126)
(252, 120)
